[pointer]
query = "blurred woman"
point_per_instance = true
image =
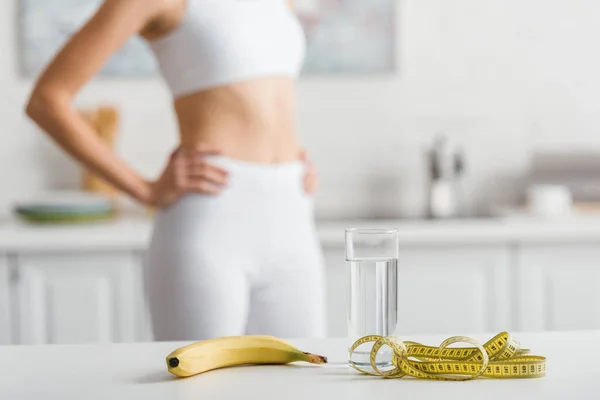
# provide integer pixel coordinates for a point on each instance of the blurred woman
(234, 249)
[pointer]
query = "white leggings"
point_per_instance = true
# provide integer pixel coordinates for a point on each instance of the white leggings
(246, 261)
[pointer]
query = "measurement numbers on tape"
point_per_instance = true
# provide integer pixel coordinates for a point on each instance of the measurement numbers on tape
(500, 358)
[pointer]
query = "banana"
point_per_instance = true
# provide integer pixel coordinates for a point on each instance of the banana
(211, 354)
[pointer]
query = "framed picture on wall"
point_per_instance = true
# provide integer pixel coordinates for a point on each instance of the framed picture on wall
(348, 36)
(44, 26)
(343, 36)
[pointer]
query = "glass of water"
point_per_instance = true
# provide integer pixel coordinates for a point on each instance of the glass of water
(372, 295)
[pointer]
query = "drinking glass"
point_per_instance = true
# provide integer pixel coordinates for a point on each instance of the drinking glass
(372, 295)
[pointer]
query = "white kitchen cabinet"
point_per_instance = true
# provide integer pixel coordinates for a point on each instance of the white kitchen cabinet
(558, 287)
(83, 283)
(5, 325)
(77, 298)
(453, 289)
(336, 291)
(143, 316)
(442, 289)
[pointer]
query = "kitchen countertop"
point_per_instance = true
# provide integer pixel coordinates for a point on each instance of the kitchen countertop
(138, 371)
(133, 232)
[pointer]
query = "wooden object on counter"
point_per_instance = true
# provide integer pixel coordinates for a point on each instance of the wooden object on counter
(584, 207)
(105, 121)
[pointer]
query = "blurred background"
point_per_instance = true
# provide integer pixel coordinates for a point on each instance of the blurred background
(473, 128)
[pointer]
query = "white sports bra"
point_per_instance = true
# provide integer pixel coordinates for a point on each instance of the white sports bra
(225, 41)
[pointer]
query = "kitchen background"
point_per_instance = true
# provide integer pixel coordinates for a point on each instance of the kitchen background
(505, 80)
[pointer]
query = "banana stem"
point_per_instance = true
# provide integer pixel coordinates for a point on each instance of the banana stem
(315, 359)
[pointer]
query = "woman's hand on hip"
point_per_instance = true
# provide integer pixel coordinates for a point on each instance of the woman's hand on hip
(187, 171)
(310, 176)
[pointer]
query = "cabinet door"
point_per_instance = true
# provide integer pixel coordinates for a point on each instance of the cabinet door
(559, 287)
(76, 298)
(143, 316)
(453, 290)
(447, 290)
(5, 326)
(335, 269)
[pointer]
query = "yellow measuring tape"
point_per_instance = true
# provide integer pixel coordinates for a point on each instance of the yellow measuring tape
(501, 357)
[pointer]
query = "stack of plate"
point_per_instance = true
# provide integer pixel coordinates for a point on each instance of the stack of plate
(62, 207)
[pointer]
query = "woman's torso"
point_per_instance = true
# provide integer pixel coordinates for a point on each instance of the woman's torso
(231, 67)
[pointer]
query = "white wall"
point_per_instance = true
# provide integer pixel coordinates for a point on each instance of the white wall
(502, 76)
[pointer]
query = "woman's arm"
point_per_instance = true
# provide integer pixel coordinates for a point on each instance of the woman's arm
(77, 62)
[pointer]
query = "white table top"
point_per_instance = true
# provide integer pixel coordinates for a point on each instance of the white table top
(138, 371)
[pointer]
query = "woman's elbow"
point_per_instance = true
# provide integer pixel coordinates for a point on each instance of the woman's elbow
(43, 102)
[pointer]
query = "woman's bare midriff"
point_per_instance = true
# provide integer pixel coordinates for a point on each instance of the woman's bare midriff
(250, 121)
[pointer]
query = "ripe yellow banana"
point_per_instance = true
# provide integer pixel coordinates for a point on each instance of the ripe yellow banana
(207, 355)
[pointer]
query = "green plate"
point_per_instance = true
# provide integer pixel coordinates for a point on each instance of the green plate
(58, 217)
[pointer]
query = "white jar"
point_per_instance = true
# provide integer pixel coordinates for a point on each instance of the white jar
(548, 200)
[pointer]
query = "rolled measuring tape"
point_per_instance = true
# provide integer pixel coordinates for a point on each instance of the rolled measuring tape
(499, 358)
